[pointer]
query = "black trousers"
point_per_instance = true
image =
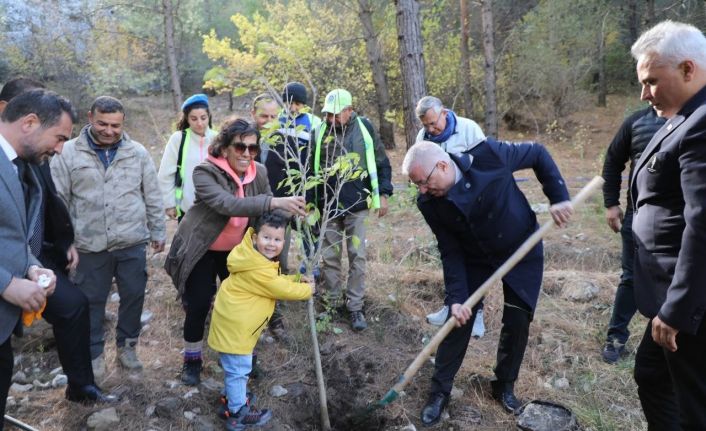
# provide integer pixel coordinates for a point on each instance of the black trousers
(67, 312)
(6, 364)
(199, 290)
(517, 316)
(624, 306)
(672, 385)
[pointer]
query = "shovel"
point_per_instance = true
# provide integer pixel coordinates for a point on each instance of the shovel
(525, 248)
(19, 424)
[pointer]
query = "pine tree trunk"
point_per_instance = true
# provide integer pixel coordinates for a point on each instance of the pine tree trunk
(602, 85)
(491, 104)
(650, 21)
(382, 93)
(633, 21)
(168, 11)
(409, 42)
(466, 60)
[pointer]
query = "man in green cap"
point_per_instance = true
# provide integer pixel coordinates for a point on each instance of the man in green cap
(343, 132)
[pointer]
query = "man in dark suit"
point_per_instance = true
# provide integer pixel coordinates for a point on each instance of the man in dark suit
(669, 194)
(51, 241)
(33, 126)
(480, 217)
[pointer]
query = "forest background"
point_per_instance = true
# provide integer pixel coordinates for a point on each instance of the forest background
(518, 63)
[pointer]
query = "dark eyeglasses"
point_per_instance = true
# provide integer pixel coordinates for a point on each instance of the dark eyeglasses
(240, 147)
(425, 181)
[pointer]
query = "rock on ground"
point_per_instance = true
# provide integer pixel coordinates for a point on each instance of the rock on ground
(581, 290)
(103, 420)
(167, 407)
(278, 391)
(20, 377)
(59, 380)
(16, 387)
(544, 416)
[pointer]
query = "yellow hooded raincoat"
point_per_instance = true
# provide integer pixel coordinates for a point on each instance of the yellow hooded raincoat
(246, 299)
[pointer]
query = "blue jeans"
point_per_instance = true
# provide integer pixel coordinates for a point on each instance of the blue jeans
(237, 368)
(624, 307)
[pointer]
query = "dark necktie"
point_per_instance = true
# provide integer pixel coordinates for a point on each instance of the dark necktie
(22, 175)
(36, 239)
(37, 235)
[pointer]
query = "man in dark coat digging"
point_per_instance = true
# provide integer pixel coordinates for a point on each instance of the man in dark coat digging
(480, 217)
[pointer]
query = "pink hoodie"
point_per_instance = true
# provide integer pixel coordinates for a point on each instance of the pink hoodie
(233, 233)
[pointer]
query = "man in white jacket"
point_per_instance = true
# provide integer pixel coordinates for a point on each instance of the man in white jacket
(455, 135)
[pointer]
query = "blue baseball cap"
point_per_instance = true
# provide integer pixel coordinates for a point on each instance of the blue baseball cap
(200, 99)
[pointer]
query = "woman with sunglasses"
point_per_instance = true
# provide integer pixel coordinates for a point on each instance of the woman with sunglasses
(231, 189)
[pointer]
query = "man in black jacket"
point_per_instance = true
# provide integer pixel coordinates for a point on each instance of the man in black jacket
(67, 309)
(669, 194)
(479, 217)
(627, 145)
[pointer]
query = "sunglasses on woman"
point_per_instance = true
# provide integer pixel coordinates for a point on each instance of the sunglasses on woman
(240, 147)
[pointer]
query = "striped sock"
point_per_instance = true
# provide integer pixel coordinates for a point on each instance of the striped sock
(192, 351)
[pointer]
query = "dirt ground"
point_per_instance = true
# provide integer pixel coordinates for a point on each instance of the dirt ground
(562, 362)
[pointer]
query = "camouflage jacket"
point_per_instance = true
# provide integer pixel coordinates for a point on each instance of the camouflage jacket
(112, 208)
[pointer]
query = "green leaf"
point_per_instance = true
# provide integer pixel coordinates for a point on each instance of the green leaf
(337, 331)
(240, 91)
(356, 241)
(313, 217)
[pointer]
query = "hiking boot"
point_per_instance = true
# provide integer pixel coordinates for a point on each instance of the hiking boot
(191, 372)
(127, 355)
(478, 325)
(438, 318)
(98, 366)
(504, 393)
(612, 351)
(88, 394)
(223, 412)
(358, 322)
(247, 416)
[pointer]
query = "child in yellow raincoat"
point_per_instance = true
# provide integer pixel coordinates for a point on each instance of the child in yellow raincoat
(243, 306)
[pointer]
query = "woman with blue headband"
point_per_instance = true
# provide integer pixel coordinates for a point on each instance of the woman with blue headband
(187, 147)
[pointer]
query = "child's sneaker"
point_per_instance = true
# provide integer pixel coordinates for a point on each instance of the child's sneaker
(247, 416)
(223, 412)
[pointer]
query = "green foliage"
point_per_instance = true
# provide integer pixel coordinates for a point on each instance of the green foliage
(441, 32)
(552, 59)
(130, 65)
(315, 42)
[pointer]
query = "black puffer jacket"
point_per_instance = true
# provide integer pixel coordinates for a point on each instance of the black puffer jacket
(354, 193)
(627, 145)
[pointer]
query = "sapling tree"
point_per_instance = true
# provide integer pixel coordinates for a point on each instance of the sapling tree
(322, 185)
